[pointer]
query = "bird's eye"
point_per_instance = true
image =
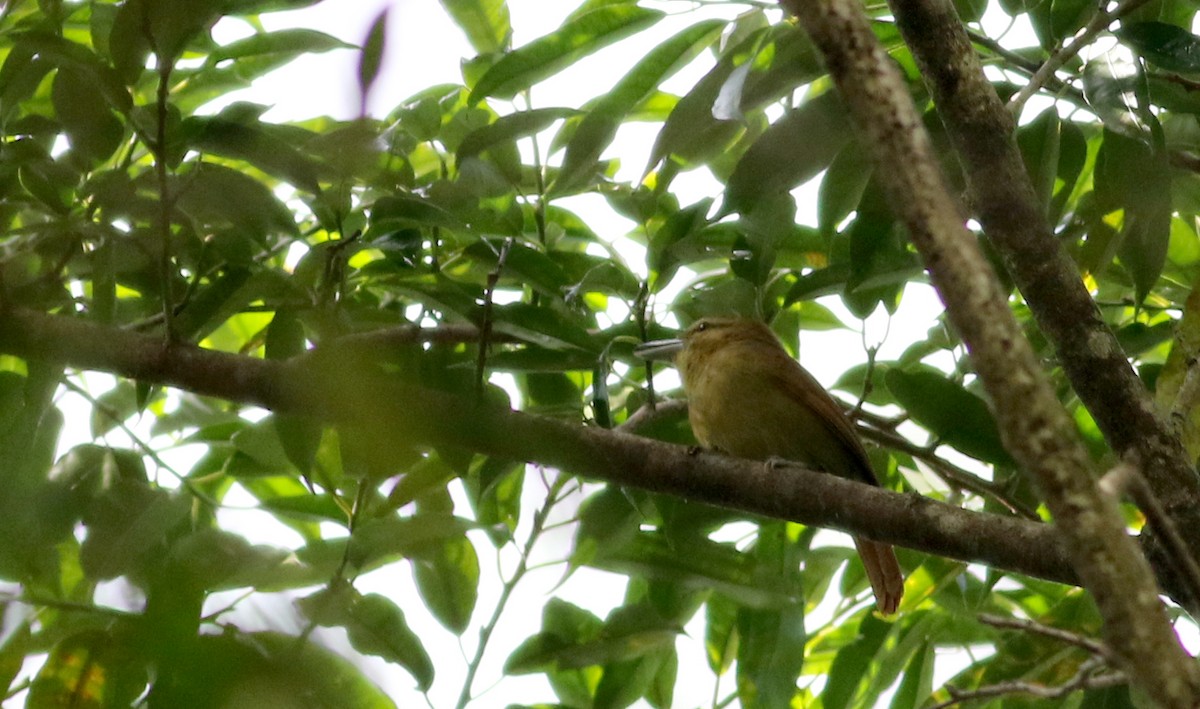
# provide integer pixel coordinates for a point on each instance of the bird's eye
(701, 326)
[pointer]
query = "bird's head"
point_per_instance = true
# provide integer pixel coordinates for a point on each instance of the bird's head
(706, 336)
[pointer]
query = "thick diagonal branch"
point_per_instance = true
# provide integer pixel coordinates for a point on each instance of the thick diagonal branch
(1035, 427)
(1005, 203)
(395, 413)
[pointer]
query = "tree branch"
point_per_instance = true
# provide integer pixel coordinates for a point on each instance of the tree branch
(400, 414)
(982, 131)
(1034, 425)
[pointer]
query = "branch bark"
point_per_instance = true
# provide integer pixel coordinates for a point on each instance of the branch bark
(982, 130)
(399, 414)
(1035, 427)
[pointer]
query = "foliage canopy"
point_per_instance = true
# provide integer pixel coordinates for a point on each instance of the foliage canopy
(132, 206)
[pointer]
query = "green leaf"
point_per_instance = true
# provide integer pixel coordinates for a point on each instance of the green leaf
(599, 126)
(274, 669)
(375, 625)
(1131, 175)
(705, 565)
(1068, 16)
(1039, 141)
(214, 194)
(792, 151)
(263, 146)
(485, 23)
(448, 580)
(95, 133)
(543, 57)
(842, 187)
(92, 664)
(306, 507)
(402, 210)
(509, 128)
(770, 653)
(542, 326)
(1167, 46)
(851, 663)
(630, 632)
(371, 60)
(953, 414)
(287, 43)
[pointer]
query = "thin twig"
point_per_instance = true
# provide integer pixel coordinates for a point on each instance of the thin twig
(1099, 23)
(485, 633)
(648, 415)
(948, 472)
(1082, 680)
(1161, 523)
(485, 327)
(1092, 645)
(165, 199)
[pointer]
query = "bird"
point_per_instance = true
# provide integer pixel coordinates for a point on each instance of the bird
(747, 397)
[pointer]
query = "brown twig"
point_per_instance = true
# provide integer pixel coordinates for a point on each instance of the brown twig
(1056, 61)
(1082, 680)
(1092, 645)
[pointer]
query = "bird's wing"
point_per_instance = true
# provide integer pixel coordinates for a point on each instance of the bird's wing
(852, 457)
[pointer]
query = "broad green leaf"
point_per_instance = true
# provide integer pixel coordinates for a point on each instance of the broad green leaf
(401, 210)
(527, 266)
(485, 23)
(842, 187)
(214, 194)
(125, 527)
(543, 57)
(792, 151)
(270, 669)
(917, 682)
(95, 133)
(375, 625)
(1131, 175)
(306, 507)
(448, 580)
(629, 632)
(953, 414)
(542, 326)
(693, 132)
(706, 565)
(263, 146)
(666, 244)
(770, 653)
(599, 126)
(624, 682)
(1068, 16)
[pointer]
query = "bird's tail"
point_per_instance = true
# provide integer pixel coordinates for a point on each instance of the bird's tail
(883, 571)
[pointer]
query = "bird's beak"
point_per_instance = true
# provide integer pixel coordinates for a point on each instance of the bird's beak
(659, 349)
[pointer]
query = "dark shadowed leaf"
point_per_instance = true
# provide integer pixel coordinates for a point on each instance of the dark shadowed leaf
(1167, 46)
(953, 414)
(376, 626)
